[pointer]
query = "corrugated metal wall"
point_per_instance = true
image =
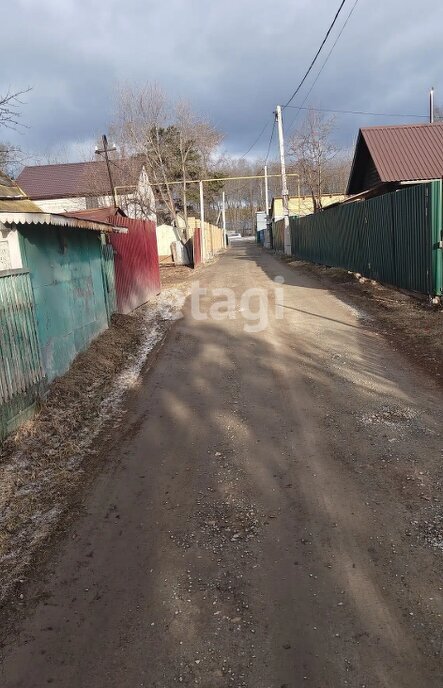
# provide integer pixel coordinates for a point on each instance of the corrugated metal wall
(137, 271)
(197, 249)
(21, 372)
(392, 238)
(66, 270)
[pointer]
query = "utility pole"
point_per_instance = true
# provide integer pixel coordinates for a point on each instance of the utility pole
(106, 150)
(431, 106)
(266, 190)
(224, 218)
(202, 222)
(284, 191)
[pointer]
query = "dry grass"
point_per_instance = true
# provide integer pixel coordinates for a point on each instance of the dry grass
(171, 274)
(45, 465)
(41, 465)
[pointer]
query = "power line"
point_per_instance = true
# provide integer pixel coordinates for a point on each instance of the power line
(256, 140)
(315, 81)
(306, 75)
(326, 59)
(317, 54)
(359, 112)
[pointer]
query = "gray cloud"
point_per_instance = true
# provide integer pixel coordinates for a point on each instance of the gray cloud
(234, 61)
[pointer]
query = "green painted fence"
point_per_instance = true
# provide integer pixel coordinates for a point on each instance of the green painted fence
(22, 377)
(73, 285)
(394, 238)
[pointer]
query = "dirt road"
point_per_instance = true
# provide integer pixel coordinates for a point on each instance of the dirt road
(258, 522)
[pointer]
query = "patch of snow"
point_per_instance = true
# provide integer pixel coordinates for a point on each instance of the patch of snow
(165, 307)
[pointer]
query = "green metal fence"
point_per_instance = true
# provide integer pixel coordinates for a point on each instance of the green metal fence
(21, 373)
(394, 238)
(72, 303)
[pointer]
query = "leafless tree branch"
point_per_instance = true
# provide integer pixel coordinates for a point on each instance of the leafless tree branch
(10, 105)
(173, 142)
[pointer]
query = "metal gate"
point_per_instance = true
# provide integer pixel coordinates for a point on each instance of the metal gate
(109, 279)
(197, 247)
(22, 377)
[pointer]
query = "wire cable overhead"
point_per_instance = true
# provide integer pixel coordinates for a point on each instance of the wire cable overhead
(325, 61)
(359, 112)
(316, 54)
(256, 140)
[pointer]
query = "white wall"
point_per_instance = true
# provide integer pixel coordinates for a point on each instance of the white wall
(62, 205)
(125, 200)
(166, 234)
(145, 191)
(10, 254)
(140, 203)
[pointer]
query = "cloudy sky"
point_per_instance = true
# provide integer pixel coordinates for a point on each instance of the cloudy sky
(233, 60)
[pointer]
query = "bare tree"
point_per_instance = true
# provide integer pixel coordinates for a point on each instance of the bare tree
(438, 114)
(197, 141)
(174, 144)
(313, 151)
(11, 157)
(10, 107)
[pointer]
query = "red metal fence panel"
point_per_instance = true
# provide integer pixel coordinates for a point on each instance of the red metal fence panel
(137, 271)
(197, 247)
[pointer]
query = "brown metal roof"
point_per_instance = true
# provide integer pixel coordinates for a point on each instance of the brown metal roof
(407, 152)
(97, 214)
(17, 209)
(77, 178)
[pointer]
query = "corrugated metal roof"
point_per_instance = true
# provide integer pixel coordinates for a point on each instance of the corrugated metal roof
(40, 218)
(12, 197)
(97, 214)
(22, 205)
(78, 178)
(407, 152)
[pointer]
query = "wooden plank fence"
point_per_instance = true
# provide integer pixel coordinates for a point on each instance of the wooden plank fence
(22, 377)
